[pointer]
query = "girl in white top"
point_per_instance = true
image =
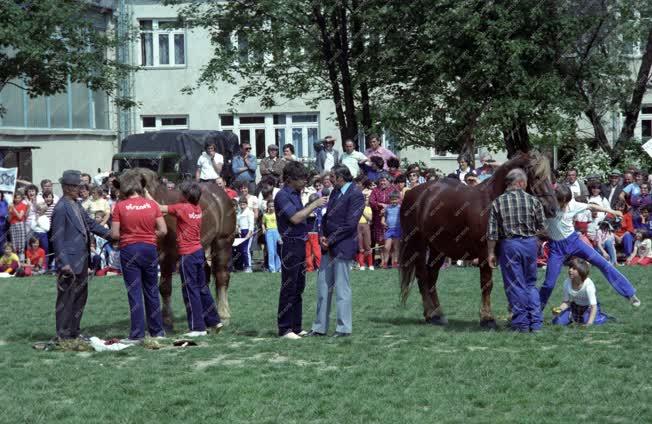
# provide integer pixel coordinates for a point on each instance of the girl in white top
(565, 242)
(642, 254)
(595, 196)
(580, 303)
(245, 222)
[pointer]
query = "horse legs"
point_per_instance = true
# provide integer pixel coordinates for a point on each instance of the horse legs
(486, 284)
(167, 263)
(221, 255)
(427, 273)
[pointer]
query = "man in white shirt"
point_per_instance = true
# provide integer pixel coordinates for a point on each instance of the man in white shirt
(209, 164)
(46, 187)
(327, 157)
(352, 158)
(576, 186)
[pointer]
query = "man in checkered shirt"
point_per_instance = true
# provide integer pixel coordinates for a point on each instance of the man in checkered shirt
(514, 220)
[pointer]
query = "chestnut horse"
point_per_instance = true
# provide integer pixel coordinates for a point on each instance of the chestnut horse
(446, 218)
(217, 235)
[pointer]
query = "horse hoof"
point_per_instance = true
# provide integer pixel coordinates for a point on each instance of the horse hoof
(437, 320)
(489, 324)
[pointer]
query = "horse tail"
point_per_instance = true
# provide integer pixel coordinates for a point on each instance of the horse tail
(410, 246)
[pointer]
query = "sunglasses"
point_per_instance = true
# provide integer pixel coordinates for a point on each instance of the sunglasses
(248, 148)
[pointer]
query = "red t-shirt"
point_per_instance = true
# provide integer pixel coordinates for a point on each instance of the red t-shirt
(35, 256)
(188, 227)
(137, 218)
(21, 207)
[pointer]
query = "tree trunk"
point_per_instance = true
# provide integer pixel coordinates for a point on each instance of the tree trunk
(358, 55)
(633, 108)
(517, 138)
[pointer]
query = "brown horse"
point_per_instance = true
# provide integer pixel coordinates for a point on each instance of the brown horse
(217, 235)
(446, 218)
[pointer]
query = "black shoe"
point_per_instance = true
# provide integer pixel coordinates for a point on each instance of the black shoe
(338, 334)
(313, 333)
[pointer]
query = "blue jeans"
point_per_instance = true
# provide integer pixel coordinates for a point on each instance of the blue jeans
(518, 264)
(610, 247)
(272, 237)
(200, 306)
(560, 250)
(140, 271)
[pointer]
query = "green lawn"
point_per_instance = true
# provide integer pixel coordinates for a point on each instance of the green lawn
(395, 368)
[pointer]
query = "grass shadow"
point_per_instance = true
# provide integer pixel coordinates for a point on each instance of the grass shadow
(454, 325)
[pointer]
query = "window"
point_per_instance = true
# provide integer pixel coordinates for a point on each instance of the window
(646, 123)
(78, 107)
(162, 43)
(157, 123)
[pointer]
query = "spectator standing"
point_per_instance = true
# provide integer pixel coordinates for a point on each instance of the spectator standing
(71, 234)
(374, 169)
(412, 181)
(379, 200)
(565, 243)
(209, 164)
(84, 195)
(246, 227)
(288, 153)
(577, 187)
(313, 251)
(97, 203)
(4, 218)
(229, 191)
(365, 257)
(30, 199)
(470, 179)
(393, 166)
(327, 156)
(376, 149)
(464, 167)
(642, 200)
(272, 238)
(392, 225)
(611, 191)
(137, 222)
(339, 247)
(414, 169)
(514, 229)
(41, 227)
(272, 164)
(291, 218)
(244, 167)
(595, 196)
(86, 179)
(46, 187)
(352, 159)
(18, 211)
(487, 168)
(632, 187)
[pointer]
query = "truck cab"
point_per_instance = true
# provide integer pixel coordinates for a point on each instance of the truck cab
(165, 164)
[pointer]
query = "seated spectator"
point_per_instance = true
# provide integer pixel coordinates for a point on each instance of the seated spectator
(577, 187)
(624, 233)
(642, 254)
(374, 169)
(596, 197)
(35, 256)
(641, 200)
(99, 241)
(612, 190)
(111, 256)
(642, 221)
(393, 166)
(9, 261)
(631, 181)
(605, 242)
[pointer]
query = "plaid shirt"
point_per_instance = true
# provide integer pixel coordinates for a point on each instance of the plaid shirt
(515, 214)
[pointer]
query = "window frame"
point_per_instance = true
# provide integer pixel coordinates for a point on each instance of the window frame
(159, 125)
(156, 31)
(645, 117)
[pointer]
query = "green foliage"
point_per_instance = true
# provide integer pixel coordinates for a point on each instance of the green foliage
(45, 42)
(394, 369)
(589, 161)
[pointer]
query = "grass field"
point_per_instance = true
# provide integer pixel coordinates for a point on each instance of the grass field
(394, 369)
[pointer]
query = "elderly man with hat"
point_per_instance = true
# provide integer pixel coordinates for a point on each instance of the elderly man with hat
(611, 191)
(71, 234)
(272, 164)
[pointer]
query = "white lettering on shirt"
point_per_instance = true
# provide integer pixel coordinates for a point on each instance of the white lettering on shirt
(138, 207)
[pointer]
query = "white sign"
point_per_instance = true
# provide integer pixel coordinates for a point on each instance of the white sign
(648, 147)
(8, 179)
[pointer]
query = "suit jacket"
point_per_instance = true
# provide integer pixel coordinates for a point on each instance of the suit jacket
(71, 235)
(340, 223)
(321, 159)
(605, 189)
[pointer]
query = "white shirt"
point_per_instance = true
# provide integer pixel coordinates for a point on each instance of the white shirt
(585, 296)
(206, 170)
(561, 226)
(41, 224)
(246, 220)
(352, 160)
(601, 201)
(329, 162)
(263, 203)
(39, 198)
(575, 189)
(643, 248)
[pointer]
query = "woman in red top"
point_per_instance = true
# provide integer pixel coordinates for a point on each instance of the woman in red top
(200, 306)
(625, 234)
(136, 223)
(17, 218)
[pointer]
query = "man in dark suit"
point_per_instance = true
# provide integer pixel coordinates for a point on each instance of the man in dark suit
(327, 157)
(71, 233)
(339, 246)
(612, 190)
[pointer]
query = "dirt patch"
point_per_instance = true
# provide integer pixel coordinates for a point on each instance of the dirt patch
(546, 348)
(477, 348)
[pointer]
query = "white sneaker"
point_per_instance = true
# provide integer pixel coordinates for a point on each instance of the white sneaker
(195, 334)
(248, 270)
(302, 333)
(362, 268)
(635, 301)
(216, 328)
(129, 341)
(371, 268)
(291, 336)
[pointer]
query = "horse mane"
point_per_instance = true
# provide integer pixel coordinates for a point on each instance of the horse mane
(143, 177)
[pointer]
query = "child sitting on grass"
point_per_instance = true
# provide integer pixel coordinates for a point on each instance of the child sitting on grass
(642, 254)
(112, 255)
(35, 256)
(9, 261)
(580, 303)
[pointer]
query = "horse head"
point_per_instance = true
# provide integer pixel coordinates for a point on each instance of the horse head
(539, 183)
(137, 179)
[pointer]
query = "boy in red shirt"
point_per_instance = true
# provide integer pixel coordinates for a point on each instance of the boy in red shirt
(200, 306)
(35, 256)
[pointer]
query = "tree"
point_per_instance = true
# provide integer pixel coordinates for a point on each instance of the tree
(46, 42)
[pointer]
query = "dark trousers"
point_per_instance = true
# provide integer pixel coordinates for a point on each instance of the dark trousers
(72, 292)
(140, 271)
(293, 282)
(200, 306)
(518, 264)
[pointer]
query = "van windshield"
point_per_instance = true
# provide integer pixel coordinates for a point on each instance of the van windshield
(123, 164)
